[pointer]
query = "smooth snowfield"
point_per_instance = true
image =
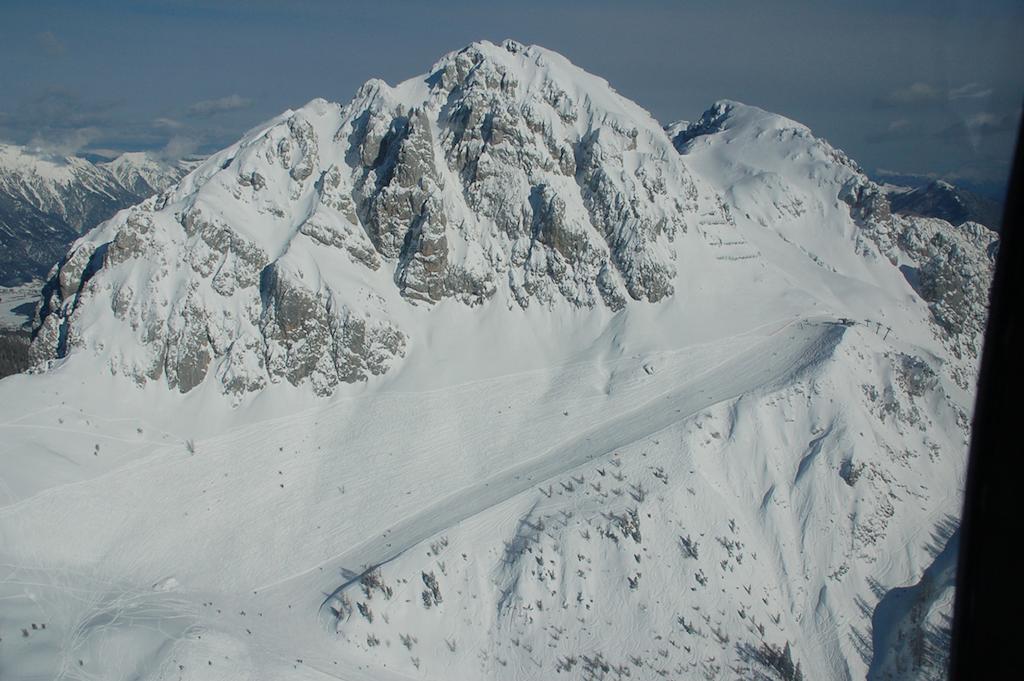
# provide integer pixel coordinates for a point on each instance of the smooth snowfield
(114, 607)
(122, 522)
(152, 563)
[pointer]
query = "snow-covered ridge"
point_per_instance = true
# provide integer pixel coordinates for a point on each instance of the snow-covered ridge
(800, 189)
(45, 180)
(56, 169)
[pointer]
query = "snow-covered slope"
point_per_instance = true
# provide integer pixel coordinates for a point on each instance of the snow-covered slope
(798, 195)
(487, 375)
(46, 202)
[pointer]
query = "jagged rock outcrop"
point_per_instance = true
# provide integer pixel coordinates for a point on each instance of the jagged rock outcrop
(950, 267)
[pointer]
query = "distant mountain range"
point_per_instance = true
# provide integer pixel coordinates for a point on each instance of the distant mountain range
(940, 199)
(47, 201)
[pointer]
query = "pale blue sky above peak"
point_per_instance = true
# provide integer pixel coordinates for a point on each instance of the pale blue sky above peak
(913, 87)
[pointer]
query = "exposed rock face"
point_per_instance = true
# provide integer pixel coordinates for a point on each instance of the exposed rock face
(297, 348)
(953, 274)
(505, 171)
(497, 139)
(949, 267)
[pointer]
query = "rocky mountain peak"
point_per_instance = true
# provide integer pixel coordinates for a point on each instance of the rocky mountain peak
(505, 172)
(312, 250)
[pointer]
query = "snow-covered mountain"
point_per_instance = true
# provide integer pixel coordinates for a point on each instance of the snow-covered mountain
(489, 375)
(783, 179)
(504, 180)
(47, 201)
(146, 174)
(940, 199)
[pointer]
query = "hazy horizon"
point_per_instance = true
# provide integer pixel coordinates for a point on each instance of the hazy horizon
(920, 89)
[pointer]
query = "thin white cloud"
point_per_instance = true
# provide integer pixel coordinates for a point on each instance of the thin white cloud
(179, 147)
(211, 107)
(166, 123)
(64, 142)
(922, 94)
(982, 123)
(915, 93)
(975, 128)
(50, 43)
(901, 128)
(970, 91)
(965, 176)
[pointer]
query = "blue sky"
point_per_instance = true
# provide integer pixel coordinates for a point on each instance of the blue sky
(924, 88)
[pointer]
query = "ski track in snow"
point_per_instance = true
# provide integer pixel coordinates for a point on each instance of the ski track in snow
(791, 349)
